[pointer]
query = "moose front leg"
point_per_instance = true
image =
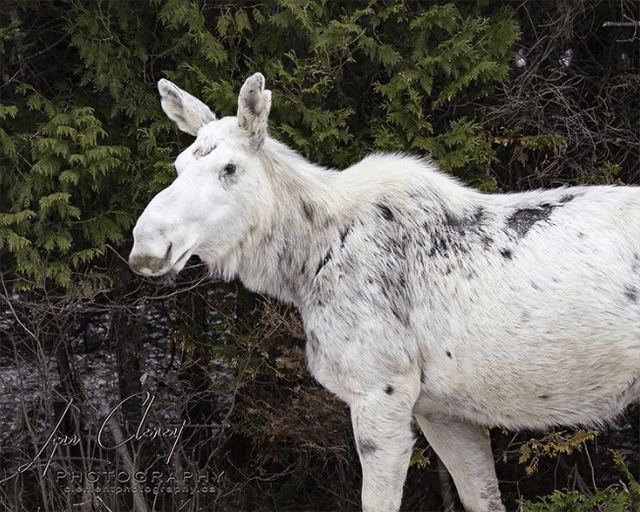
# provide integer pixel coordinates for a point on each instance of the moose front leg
(382, 428)
(465, 450)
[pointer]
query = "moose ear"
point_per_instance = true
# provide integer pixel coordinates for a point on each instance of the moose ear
(254, 104)
(188, 112)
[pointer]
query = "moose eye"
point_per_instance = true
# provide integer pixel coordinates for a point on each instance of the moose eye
(229, 169)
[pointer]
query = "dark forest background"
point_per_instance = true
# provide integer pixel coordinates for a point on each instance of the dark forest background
(505, 95)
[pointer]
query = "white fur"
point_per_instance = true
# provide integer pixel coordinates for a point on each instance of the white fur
(420, 297)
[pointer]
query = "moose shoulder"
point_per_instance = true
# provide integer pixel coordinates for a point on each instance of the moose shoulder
(420, 297)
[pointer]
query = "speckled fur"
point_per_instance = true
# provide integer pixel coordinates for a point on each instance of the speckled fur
(420, 297)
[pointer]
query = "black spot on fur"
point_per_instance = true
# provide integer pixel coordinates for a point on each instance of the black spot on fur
(308, 211)
(631, 293)
(436, 248)
(523, 220)
(544, 397)
(313, 341)
(387, 214)
(457, 233)
(343, 235)
(389, 390)
(400, 315)
(478, 216)
(462, 225)
(393, 287)
(452, 221)
(566, 198)
(325, 260)
(367, 447)
(506, 254)
(449, 355)
(440, 245)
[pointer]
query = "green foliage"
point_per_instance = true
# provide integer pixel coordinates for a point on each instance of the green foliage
(455, 57)
(623, 498)
(58, 212)
(419, 459)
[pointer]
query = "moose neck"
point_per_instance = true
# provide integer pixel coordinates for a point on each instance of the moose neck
(282, 260)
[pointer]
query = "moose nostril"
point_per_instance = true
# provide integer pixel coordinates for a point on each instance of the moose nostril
(145, 263)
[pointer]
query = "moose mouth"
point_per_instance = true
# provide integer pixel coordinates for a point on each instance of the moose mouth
(179, 264)
(150, 266)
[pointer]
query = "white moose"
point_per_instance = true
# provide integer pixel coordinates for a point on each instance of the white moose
(420, 297)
